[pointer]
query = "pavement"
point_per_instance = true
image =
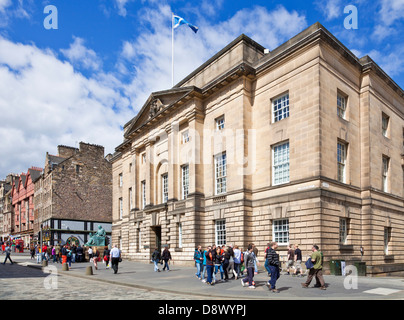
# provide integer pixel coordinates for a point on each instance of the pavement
(181, 280)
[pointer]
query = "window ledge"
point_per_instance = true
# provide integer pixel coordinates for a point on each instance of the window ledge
(346, 247)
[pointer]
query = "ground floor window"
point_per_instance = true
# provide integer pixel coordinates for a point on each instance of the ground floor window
(343, 230)
(280, 231)
(220, 232)
(387, 239)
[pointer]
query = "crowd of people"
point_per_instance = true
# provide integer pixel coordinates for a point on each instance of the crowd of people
(233, 261)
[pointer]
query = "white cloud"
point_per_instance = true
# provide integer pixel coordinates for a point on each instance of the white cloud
(4, 4)
(148, 57)
(121, 6)
(331, 9)
(391, 10)
(47, 103)
(390, 13)
(79, 55)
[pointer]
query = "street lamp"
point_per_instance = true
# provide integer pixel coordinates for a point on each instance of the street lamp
(40, 250)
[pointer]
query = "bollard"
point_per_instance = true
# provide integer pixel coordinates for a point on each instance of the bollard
(89, 271)
(65, 267)
(44, 263)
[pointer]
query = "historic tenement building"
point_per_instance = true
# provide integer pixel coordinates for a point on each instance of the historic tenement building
(22, 194)
(74, 195)
(303, 144)
(7, 218)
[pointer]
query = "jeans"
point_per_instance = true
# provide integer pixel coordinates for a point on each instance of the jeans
(209, 269)
(217, 268)
(274, 276)
(156, 267)
(7, 257)
(166, 265)
(267, 266)
(198, 269)
(203, 272)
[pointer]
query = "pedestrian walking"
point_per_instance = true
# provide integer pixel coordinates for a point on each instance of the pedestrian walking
(274, 266)
(32, 252)
(198, 258)
(63, 251)
(218, 263)
(80, 253)
(7, 250)
(249, 259)
(290, 259)
(226, 262)
(298, 261)
(115, 255)
(237, 261)
(53, 253)
(90, 254)
(231, 261)
(256, 262)
(57, 252)
(96, 258)
(317, 269)
(166, 256)
(156, 257)
(266, 265)
(210, 258)
(204, 264)
(106, 255)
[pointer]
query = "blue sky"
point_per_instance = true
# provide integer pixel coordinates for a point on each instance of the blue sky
(86, 79)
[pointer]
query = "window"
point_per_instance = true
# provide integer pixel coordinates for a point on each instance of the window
(139, 239)
(385, 124)
(130, 198)
(280, 164)
(143, 194)
(220, 123)
(180, 235)
(280, 108)
(343, 230)
(341, 159)
(164, 187)
(220, 232)
(120, 208)
(143, 157)
(185, 137)
(185, 181)
(385, 175)
(120, 180)
(387, 239)
(130, 167)
(220, 173)
(280, 231)
(341, 106)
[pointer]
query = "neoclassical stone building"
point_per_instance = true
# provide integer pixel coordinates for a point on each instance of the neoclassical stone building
(303, 145)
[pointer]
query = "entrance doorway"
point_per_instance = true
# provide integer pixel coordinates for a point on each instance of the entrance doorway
(156, 234)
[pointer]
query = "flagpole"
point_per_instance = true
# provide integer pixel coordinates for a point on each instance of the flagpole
(172, 49)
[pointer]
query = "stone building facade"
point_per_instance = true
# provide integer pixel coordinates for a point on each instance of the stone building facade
(22, 195)
(74, 194)
(6, 207)
(302, 144)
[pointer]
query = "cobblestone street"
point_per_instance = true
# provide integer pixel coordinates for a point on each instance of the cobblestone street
(24, 283)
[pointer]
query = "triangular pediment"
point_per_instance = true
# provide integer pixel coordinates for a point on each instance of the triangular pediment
(157, 103)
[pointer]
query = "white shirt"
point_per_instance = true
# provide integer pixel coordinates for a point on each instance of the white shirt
(115, 253)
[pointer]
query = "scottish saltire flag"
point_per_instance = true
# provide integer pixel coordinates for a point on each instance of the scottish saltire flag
(179, 21)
